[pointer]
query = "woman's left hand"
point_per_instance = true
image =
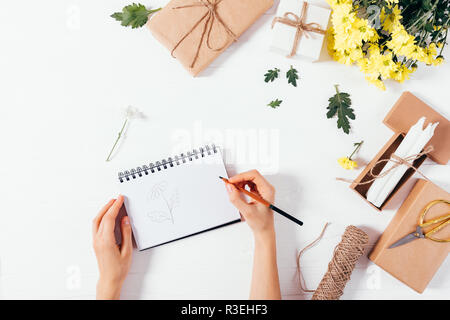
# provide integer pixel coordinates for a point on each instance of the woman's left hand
(113, 261)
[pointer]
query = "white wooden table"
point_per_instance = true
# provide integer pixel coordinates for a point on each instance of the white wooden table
(66, 72)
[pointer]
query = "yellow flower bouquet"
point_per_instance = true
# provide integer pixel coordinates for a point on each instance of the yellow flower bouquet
(387, 38)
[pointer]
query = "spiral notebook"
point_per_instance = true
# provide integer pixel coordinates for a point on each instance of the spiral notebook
(177, 197)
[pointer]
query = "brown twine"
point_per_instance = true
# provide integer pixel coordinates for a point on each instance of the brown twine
(298, 23)
(211, 15)
(301, 280)
(398, 161)
(341, 266)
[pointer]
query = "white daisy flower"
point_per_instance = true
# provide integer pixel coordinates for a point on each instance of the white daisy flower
(130, 113)
(133, 113)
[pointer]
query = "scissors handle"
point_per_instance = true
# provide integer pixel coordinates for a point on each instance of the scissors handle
(445, 218)
(434, 230)
(431, 222)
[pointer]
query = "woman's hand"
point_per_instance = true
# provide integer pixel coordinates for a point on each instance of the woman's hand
(258, 216)
(265, 281)
(113, 261)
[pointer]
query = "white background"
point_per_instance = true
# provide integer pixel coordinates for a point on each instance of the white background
(66, 72)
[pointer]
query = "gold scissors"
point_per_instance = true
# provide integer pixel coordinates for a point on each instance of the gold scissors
(419, 234)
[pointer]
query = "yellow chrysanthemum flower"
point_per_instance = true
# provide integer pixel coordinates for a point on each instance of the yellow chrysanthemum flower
(356, 54)
(401, 73)
(392, 20)
(362, 64)
(377, 82)
(336, 3)
(387, 65)
(353, 40)
(347, 164)
(439, 60)
(344, 58)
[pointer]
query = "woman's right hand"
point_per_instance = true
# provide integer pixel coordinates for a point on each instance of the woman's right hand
(258, 217)
(265, 281)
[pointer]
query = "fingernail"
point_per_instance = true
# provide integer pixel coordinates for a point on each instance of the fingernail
(126, 220)
(229, 188)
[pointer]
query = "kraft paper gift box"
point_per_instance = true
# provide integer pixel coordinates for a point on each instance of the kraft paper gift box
(416, 262)
(309, 45)
(186, 26)
(406, 112)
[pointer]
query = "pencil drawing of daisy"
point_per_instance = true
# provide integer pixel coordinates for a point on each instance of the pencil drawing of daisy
(159, 193)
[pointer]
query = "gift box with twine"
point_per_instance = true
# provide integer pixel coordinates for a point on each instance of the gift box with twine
(197, 31)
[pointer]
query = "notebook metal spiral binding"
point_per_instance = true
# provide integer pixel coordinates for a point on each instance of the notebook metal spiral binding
(127, 175)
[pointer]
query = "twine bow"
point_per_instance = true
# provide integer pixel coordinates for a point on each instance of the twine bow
(291, 19)
(398, 161)
(211, 15)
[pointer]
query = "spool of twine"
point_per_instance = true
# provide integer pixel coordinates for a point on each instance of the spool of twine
(341, 266)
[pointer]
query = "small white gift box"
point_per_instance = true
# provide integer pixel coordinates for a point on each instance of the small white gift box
(309, 43)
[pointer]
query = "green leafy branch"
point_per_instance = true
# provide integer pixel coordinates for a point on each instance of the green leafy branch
(271, 75)
(340, 105)
(292, 76)
(275, 103)
(135, 15)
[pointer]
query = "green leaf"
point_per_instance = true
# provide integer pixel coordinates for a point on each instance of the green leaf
(339, 105)
(426, 4)
(271, 75)
(134, 15)
(117, 16)
(275, 103)
(292, 76)
(429, 27)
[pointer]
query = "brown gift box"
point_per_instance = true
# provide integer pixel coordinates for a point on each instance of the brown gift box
(406, 112)
(416, 262)
(170, 25)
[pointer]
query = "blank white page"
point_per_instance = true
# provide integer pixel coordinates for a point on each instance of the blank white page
(179, 201)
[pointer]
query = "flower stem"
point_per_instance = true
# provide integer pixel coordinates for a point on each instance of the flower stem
(337, 88)
(358, 145)
(153, 11)
(444, 42)
(117, 140)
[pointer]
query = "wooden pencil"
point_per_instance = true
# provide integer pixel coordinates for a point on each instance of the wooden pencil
(264, 202)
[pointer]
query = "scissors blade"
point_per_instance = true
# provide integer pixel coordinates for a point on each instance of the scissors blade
(408, 238)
